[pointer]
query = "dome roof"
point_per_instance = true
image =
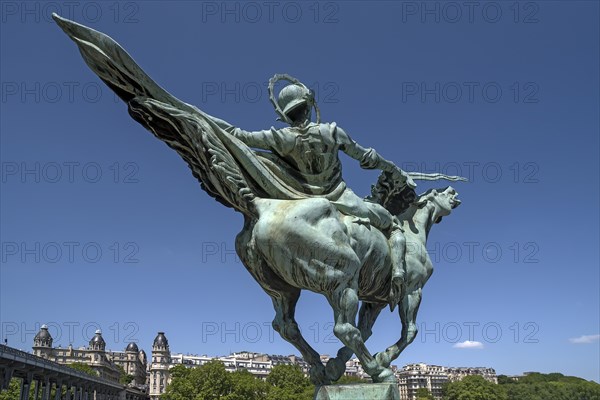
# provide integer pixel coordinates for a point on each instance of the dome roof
(43, 333)
(132, 347)
(160, 340)
(98, 338)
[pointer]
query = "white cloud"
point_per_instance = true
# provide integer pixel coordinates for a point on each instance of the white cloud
(584, 339)
(467, 344)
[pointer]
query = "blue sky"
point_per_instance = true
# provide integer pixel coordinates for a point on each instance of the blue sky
(104, 226)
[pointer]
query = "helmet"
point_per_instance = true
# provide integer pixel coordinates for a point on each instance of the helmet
(293, 96)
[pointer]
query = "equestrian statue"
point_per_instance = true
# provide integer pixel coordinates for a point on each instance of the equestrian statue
(304, 229)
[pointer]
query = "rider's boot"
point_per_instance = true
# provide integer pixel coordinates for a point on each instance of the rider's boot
(397, 244)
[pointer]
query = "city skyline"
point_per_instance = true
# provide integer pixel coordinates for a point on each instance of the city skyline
(131, 358)
(183, 354)
(138, 377)
(103, 227)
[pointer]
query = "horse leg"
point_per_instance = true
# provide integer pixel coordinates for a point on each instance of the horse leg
(366, 318)
(285, 324)
(408, 315)
(344, 302)
(367, 315)
(284, 298)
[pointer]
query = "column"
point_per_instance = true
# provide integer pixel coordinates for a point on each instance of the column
(37, 389)
(46, 389)
(7, 373)
(58, 394)
(25, 385)
(68, 392)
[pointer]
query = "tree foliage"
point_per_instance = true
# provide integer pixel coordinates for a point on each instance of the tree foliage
(424, 394)
(14, 390)
(124, 377)
(554, 386)
(207, 382)
(211, 381)
(83, 368)
(534, 386)
(289, 383)
(474, 388)
(246, 387)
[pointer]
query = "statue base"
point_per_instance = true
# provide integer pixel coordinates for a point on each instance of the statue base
(366, 391)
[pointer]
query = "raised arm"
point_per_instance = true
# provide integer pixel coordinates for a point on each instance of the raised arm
(369, 158)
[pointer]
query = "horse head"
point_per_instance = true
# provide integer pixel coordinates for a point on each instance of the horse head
(438, 203)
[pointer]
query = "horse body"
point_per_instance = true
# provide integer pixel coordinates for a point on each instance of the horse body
(308, 244)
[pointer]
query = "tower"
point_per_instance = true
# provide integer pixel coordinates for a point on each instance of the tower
(96, 349)
(159, 369)
(131, 353)
(42, 343)
(135, 363)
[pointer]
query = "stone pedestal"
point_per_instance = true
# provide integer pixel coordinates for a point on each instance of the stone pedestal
(366, 391)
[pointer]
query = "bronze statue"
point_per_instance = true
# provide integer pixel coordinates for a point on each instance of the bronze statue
(303, 227)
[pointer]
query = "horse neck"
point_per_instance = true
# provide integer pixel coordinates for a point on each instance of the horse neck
(418, 221)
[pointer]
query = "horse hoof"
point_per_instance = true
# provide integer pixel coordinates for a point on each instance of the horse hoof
(335, 369)
(387, 375)
(318, 376)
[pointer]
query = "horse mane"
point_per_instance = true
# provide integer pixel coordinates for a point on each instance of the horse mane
(389, 193)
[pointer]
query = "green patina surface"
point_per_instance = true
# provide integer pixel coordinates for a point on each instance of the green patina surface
(369, 391)
(304, 229)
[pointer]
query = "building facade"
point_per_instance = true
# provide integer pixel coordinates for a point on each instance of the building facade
(456, 374)
(159, 376)
(416, 376)
(107, 364)
(133, 361)
(433, 377)
(258, 364)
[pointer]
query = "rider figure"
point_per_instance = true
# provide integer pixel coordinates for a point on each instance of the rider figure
(310, 150)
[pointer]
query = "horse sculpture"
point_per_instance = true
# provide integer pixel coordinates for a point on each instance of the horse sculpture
(289, 243)
(307, 244)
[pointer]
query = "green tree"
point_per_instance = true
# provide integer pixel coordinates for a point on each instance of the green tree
(124, 377)
(424, 394)
(213, 380)
(289, 383)
(83, 368)
(505, 380)
(554, 386)
(181, 386)
(247, 387)
(209, 382)
(14, 390)
(474, 388)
